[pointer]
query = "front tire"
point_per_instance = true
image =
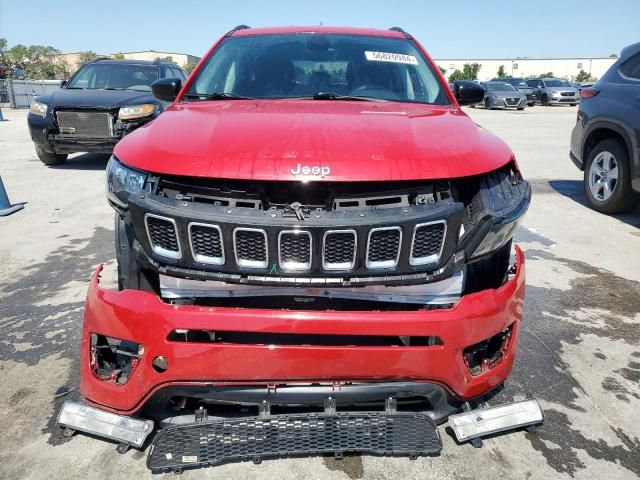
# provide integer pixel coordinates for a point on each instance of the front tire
(487, 104)
(545, 100)
(50, 158)
(607, 178)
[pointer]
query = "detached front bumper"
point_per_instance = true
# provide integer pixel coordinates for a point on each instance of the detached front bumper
(143, 318)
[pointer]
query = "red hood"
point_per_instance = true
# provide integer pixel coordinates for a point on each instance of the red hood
(358, 141)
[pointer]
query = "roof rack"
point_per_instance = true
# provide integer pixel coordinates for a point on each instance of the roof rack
(239, 27)
(401, 30)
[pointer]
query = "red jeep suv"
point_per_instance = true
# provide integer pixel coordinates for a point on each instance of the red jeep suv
(314, 254)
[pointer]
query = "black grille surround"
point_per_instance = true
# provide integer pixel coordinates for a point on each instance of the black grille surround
(338, 239)
(250, 240)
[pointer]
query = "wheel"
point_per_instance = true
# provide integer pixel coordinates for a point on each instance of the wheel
(520, 108)
(50, 158)
(607, 178)
(544, 100)
(131, 275)
(487, 104)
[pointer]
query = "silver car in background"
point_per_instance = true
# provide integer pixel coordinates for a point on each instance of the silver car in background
(554, 91)
(503, 95)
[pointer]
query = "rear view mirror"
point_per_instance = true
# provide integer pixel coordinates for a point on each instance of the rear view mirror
(468, 93)
(166, 89)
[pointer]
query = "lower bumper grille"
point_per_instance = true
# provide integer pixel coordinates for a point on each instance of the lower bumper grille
(254, 438)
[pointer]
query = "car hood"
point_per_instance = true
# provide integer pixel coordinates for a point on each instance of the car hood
(64, 97)
(514, 94)
(346, 141)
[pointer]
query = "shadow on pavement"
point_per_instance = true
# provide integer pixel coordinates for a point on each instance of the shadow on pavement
(85, 161)
(574, 190)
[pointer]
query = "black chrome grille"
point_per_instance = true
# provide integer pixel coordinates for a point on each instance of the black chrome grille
(295, 250)
(568, 94)
(428, 240)
(163, 236)
(383, 247)
(339, 250)
(250, 247)
(206, 243)
(85, 124)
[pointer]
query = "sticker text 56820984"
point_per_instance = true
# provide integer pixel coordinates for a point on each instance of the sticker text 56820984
(391, 57)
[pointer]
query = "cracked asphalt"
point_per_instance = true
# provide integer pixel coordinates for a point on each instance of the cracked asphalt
(579, 352)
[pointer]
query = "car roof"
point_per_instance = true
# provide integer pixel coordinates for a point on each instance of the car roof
(246, 31)
(630, 50)
(129, 61)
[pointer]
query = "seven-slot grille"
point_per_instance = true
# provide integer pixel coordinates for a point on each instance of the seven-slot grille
(85, 124)
(206, 243)
(251, 247)
(339, 249)
(428, 241)
(294, 248)
(383, 247)
(163, 236)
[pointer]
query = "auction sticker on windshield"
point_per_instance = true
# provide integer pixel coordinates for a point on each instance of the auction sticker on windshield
(391, 57)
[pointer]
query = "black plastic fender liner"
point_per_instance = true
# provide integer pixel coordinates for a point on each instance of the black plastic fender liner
(254, 438)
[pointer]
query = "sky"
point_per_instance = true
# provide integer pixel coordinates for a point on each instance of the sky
(446, 28)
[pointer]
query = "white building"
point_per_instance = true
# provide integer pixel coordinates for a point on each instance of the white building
(526, 67)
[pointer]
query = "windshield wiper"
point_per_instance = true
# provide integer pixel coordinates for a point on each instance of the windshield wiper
(336, 96)
(217, 96)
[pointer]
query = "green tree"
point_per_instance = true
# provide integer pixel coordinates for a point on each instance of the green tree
(86, 56)
(118, 56)
(583, 76)
(188, 67)
(3, 50)
(613, 55)
(501, 72)
(442, 70)
(469, 72)
(168, 58)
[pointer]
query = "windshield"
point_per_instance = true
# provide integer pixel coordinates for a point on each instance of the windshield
(499, 87)
(556, 83)
(114, 76)
(303, 65)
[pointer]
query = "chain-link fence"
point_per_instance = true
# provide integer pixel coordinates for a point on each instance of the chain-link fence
(20, 93)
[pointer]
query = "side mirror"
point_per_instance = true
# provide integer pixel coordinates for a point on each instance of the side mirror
(63, 83)
(468, 93)
(166, 89)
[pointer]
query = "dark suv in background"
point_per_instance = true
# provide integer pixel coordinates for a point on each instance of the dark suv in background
(102, 102)
(604, 142)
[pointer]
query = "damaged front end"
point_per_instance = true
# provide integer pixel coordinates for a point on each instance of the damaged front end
(262, 326)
